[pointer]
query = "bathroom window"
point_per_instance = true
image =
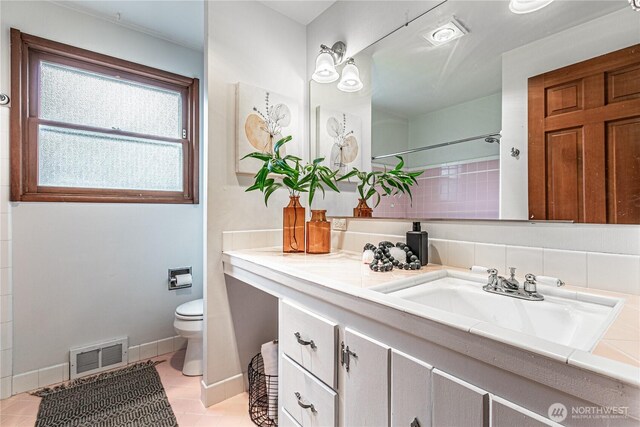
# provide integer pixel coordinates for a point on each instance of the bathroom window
(86, 127)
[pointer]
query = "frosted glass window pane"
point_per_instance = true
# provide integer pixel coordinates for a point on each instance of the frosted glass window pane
(70, 95)
(73, 158)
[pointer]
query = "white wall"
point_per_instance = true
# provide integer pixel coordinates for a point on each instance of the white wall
(597, 37)
(87, 272)
(389, 134)
(479, 116)
(246, 42)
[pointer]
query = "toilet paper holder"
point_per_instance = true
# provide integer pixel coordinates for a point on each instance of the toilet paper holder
(173, 279)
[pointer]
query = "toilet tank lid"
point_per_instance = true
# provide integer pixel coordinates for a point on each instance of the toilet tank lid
(191, 308)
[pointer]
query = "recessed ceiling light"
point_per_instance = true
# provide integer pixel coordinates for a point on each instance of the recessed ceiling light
(527, 6)
(445, 33)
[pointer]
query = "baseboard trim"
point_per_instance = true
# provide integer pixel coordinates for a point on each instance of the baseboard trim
(56, 374)
(222, 390)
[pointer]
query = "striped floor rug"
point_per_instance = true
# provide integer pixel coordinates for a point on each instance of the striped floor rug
(131, 396)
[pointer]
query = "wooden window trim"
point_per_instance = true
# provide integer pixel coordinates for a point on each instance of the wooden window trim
(26, 51)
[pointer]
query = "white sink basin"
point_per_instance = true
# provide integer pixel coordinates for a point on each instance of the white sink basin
(563, 317)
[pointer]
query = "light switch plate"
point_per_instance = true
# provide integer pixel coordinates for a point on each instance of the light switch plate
(339, 224)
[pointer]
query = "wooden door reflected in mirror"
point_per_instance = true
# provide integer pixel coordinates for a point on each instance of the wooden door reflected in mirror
(584, 141)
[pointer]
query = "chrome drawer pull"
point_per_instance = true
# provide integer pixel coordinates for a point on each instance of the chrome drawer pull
(303, 342)
(304, 405)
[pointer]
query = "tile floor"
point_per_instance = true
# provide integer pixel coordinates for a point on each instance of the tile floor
(183, 393)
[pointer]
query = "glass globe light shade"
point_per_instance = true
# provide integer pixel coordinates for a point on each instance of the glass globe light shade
(325, 69)
(350, 81)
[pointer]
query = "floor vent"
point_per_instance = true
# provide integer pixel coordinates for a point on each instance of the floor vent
(98, 357)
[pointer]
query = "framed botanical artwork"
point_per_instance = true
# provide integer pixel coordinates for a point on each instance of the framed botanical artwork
(339, 139)
(262, 119)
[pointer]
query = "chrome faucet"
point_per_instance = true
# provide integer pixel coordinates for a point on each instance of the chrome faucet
(496, 282)
(511, 282)
(511, 287)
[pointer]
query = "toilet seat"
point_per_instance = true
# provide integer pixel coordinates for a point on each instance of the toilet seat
(190, 311)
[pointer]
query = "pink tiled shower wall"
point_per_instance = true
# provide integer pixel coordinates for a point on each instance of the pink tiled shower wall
(467, 190)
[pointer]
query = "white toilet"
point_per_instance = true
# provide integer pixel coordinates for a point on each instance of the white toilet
(189, 323)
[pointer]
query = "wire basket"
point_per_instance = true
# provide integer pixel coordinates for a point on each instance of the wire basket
(263, 394)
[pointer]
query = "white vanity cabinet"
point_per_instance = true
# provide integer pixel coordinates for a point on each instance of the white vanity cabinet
(508, 414)
(308, 367)
(309, 402)
(286, 420)
(379, 386)
(310, 340)
(365, 366)
(410, 391)
(458, 403)
(407, 369)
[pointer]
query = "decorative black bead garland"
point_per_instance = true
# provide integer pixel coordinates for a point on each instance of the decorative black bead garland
(383, 261)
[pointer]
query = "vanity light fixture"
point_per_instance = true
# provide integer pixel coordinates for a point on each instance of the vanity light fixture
(527, 6)
(445, 33)
(326, 62)
(350, 81)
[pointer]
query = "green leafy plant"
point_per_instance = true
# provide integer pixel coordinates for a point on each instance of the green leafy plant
(389, 183)
(289, 172)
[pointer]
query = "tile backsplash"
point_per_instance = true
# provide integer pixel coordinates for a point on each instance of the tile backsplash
(462, 191)
(610, 264)
(596, 270)
(609, 272)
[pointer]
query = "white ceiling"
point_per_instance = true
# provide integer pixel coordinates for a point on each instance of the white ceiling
(302, 11)
(411, 77)
(179, 21)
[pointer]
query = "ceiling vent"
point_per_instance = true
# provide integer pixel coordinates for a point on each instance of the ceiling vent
(450, 31)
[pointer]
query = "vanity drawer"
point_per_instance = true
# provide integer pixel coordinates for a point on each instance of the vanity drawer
(310, 340)
(286, 420)
(300, 390)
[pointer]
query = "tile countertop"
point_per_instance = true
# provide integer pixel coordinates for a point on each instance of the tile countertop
(345, 271)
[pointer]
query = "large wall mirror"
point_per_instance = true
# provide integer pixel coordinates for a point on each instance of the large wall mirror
(530, 116)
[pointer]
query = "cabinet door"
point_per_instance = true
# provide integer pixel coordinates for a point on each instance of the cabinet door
(508, 414)
(457, 403)
(366, 383)
(410, 391)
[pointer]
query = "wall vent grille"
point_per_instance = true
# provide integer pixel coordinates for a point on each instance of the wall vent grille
(96, 358)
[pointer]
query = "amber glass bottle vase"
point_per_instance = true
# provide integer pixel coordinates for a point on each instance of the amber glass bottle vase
(362, 210)
(318, 233)
(293, 216)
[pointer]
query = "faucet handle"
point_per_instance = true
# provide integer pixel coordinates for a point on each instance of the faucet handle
(492, 281)
(530, 285)
(550, 281)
